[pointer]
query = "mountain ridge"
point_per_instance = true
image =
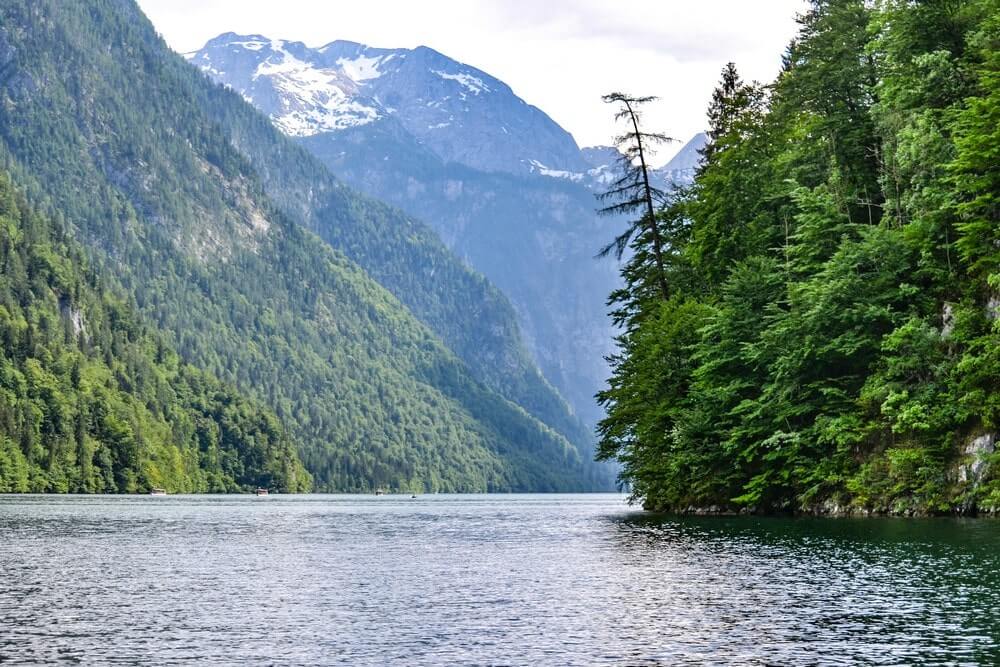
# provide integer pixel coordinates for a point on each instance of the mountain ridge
(346, 84)
(531, 230)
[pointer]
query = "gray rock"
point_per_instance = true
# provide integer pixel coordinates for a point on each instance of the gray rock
(947, 319)
(974, 465)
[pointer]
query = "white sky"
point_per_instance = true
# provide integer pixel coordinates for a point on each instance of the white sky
(560, 55)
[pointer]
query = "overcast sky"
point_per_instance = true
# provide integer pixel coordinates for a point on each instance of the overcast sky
(560, 55)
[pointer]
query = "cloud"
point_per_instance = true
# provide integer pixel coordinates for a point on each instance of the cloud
(690, 32)
(560, 55)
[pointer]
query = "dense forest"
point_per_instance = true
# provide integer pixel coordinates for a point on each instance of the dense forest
(390, 364)
(91, 401)
(814, 325)
(404, 255)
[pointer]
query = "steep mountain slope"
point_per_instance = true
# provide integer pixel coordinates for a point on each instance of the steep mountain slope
(167, 177)
(525, 219)
(533, 237)
(465, 310)
(91, 401)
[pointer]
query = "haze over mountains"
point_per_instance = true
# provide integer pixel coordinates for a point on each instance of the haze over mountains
(505, 187)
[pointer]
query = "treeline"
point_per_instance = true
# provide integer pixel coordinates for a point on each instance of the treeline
(820, 330)
(91, 401)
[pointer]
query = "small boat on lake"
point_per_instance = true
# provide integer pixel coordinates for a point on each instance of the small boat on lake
(157, 492)
(262, 491)
(379, 492)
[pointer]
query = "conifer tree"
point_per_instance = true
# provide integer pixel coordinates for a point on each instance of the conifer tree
(633, 193)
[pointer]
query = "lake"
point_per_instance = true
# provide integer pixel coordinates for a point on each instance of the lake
(468, 580)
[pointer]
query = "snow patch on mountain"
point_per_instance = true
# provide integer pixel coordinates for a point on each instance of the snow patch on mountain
(316, 99)
(603, 175)
(363, 68)
(458, 112)
(471, 83)
(540, 168)
(598, 177)
(251, 45)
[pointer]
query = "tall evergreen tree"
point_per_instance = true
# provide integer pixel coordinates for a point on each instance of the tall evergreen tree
(633, 194)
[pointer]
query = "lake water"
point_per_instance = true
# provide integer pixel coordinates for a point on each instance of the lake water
(520, 580)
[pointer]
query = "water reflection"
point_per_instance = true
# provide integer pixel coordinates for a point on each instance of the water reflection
(484, 580)
(883, 591)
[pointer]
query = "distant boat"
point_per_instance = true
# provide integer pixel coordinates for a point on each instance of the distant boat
(413, 496)
(158, 492)
(379, 492)
(261, 491)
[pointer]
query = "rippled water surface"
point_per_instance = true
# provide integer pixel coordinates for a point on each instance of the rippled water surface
(522, 580)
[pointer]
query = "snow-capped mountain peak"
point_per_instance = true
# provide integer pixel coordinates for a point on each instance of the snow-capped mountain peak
(462, 114)
(303, 97)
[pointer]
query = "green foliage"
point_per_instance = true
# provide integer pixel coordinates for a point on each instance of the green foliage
(93, 402)
(653, 371)
(841, 242)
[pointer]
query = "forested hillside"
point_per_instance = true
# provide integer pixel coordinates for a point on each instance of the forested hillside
(128, 148)
(827, 337)
(93, 402)
(405, 256)
(504, 186)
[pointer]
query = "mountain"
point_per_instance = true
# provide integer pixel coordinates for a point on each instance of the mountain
(460, 113)
(389, 361)
(533, 238)
(92, 401)
(681, 168)
(505, 187)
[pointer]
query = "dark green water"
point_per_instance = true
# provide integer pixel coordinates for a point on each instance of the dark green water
(520, 580)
